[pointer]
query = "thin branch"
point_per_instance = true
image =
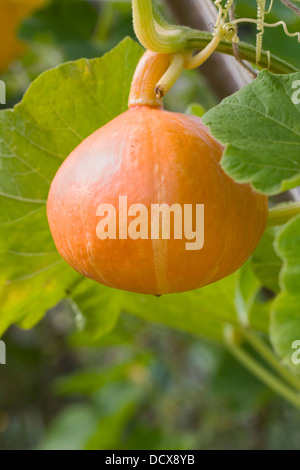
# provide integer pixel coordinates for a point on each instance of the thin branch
(290, 5)
(235, 47)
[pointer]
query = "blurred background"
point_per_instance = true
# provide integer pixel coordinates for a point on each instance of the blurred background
(143, 386)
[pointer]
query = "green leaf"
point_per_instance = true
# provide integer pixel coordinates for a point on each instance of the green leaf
(55, 20)
(285, 320)
(260, 127)
(201, 312)
(287, 246)
(64, 432)
(285, 327)
(117, 407)
(246, 290)
(90, 382)
(259, 315)
(60, 109)
(195, 109)
(253, 311)
(101, 307)
(72, 33)
(98, 424)
(266, 263)
(233, 383)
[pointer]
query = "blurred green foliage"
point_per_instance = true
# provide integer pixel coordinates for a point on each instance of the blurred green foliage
(140, 387)
(71, 29)
(143, 386)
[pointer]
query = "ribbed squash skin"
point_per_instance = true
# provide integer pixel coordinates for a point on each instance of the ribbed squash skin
(153, 156)
(12, 12)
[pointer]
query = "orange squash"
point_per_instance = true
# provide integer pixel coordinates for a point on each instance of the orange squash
(12, 12)
(152, 156)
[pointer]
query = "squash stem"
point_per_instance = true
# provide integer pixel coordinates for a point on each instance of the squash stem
(149, 71)
(157, 35)
(171, 75)
(202, 56)
(282, 213)
(154, 77)
(264, 375)
(162, 38)
(267, 354)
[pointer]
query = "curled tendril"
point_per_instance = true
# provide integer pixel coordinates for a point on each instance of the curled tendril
(261, 12)
(226, 9)
(224, 30)
(285, 28)
(229, 32)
